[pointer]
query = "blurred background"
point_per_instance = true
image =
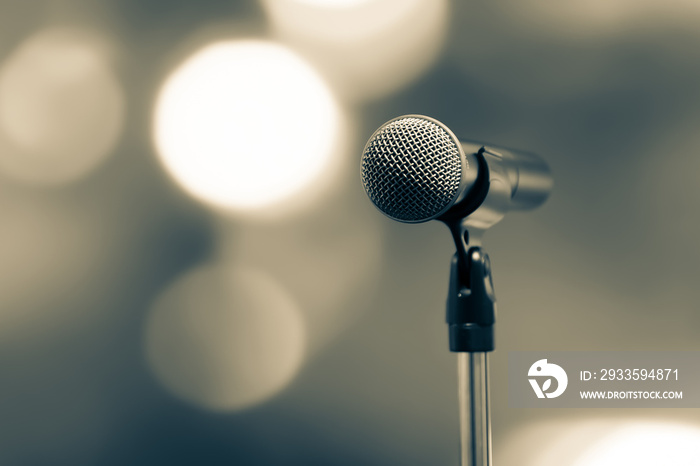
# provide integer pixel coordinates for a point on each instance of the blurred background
(191, 273)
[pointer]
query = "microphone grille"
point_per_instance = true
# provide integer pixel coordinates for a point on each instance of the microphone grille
(411, 169)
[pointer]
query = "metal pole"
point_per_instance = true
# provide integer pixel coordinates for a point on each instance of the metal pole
(474, 409)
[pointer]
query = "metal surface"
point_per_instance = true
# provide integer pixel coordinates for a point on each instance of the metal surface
(412, 168)
(474, 409)
(517, 181)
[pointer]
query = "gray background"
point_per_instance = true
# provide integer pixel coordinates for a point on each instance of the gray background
(609, 263)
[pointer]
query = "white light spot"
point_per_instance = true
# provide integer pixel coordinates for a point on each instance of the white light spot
(602, 442)
(61, 107)
(366, 49)
(246, 124)
(225, 338)
(645, 444)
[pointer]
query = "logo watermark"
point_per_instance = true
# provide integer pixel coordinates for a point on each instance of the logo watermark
(604, 379)
(548, 371)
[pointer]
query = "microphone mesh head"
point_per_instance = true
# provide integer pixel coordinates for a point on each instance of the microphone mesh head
(411, 169)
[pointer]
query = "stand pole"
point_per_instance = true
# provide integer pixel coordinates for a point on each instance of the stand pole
(471, 315)
(474, 409)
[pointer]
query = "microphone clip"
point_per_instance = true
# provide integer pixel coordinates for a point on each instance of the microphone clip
(471, 303)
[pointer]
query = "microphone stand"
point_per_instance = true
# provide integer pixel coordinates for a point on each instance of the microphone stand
(471, 307)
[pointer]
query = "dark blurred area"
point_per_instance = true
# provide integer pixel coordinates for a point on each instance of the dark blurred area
(191, 273)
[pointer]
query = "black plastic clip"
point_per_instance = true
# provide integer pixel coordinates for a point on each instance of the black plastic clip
(471, 303)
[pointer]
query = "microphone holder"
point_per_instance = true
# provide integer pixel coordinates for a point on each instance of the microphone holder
(471, 312)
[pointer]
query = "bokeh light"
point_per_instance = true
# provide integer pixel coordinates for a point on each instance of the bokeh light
(645, 444)
(246, 124)
(331, 259)
(61, 107)
(367, 49)
(603, 442)
(225, 337)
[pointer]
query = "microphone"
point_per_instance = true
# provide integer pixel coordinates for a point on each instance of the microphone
(414, 169)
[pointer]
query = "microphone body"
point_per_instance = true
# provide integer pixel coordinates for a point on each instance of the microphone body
(414, 169)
